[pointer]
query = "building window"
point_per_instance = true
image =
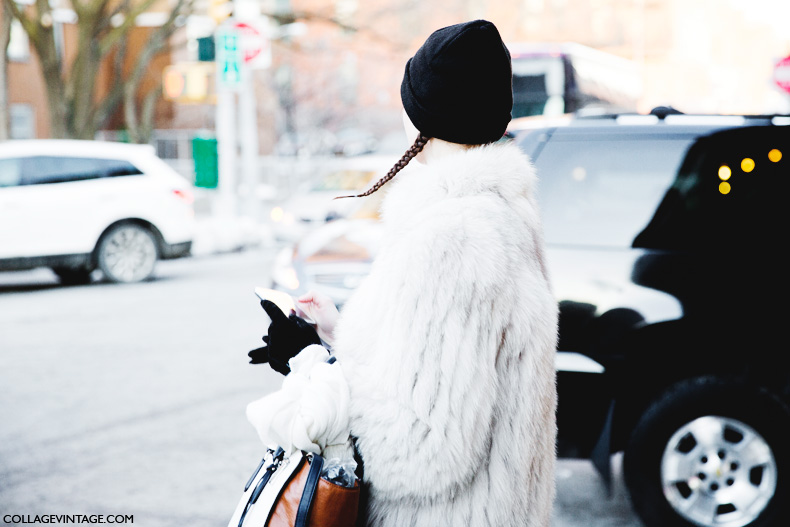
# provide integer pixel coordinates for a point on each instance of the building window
(23, 123)
(18, 45)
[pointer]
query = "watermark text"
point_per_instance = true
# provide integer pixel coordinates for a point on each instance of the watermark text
(63, 519)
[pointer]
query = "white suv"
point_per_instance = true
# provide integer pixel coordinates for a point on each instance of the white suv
(76, 206)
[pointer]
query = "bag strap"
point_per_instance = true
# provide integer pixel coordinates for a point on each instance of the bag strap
(256, 492)
(275, 454)
(252, 478)
(310, 486)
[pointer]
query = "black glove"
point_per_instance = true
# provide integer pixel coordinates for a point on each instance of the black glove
(288, 335)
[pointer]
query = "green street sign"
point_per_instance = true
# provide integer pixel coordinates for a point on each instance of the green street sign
(229, 58)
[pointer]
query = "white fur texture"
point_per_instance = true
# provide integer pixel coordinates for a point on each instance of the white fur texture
(448, 349)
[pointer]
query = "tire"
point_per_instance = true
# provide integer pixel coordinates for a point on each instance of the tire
(73, 276)
(127, 253)
(711, 452)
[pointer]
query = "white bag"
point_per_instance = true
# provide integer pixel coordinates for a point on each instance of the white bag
(264, 487)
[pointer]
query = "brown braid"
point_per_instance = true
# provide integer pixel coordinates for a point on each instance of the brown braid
(413, 150)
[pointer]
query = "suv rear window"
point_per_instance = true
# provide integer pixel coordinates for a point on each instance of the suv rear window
(38, 170)
(729, 194)
(599, 192)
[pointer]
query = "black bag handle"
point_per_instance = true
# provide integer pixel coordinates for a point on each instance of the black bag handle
(310, 487)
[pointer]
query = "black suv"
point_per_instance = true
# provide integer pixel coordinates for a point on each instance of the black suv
(664, 236)
(665, 247)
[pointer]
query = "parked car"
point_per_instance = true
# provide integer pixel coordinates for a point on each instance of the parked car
(333, 258)
(313, 204)
(76, 206)
(665, 237)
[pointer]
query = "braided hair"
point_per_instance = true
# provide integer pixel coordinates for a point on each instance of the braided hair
(413, 150)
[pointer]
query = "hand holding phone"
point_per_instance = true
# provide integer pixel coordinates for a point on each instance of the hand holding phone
(286, 335)
(322, 309)
(284, 301)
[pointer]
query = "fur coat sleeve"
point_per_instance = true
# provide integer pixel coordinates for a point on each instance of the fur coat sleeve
(430, 340)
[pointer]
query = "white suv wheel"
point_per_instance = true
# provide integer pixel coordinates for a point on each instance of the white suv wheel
(127, 254)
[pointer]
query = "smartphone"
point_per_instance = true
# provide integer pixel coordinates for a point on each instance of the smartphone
(282, 300)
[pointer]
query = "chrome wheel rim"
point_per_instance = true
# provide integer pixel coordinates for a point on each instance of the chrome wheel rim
(129, 254)
(718, 471)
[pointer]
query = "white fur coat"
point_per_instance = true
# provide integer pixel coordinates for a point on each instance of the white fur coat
(448, 349)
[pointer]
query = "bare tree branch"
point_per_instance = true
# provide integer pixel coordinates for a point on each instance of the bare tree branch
(147, 113)
(314, 16)
(39, 29)
(155, 43)
(107, 18)
(109, 104)
(44, 10)
(88, 8)
(5, 38)
(110, 39)
(27, 24)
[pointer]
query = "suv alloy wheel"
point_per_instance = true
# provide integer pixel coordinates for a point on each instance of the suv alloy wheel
(710, 452)
(127, 253)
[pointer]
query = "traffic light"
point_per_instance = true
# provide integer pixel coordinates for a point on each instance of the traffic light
(206, 49)
(174, 83)
(189, 82)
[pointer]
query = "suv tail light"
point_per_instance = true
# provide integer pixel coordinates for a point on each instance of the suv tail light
(185, 195)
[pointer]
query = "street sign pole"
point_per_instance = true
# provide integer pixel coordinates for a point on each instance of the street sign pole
(254, 44)
(241, 46)
(226, 153)
(248, 120)
(228, 81)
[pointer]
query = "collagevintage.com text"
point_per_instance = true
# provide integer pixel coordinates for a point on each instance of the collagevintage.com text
(64, 519)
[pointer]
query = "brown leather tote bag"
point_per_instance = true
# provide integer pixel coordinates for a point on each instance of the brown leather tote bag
(290, 492)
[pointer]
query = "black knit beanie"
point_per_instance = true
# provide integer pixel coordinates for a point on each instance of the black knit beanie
(459, 85)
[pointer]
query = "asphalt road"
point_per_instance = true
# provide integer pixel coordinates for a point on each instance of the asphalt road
(129, 399)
